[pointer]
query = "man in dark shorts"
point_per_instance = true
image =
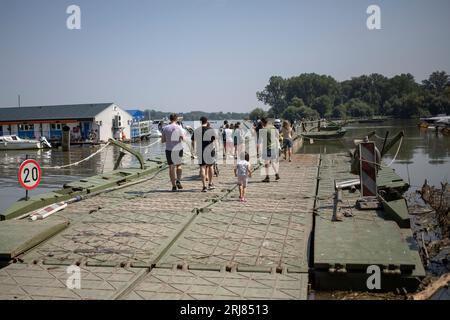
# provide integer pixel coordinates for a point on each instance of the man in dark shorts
(257, 126)
(270, 149)
(203, 142)
(172, 136)
(224, 138)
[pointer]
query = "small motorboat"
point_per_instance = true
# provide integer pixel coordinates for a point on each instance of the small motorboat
(333, 127)
(442, 118)
(372, 120)
(155, 133)
(324, 135)
(13, 142)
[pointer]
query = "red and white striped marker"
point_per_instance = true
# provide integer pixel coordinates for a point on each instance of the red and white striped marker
(368, 170)
(43, 213)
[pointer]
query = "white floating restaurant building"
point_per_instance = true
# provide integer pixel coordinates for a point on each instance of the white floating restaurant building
(94, 122)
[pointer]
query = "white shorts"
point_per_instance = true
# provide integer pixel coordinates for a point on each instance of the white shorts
(243, 181)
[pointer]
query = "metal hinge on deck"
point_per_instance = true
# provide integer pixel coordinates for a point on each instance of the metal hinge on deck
(368, 203)
(391, 269)
(337, 268)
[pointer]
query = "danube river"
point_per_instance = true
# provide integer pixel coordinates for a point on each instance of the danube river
(424, 154)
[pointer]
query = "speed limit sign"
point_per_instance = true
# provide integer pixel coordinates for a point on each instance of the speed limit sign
(29, 174)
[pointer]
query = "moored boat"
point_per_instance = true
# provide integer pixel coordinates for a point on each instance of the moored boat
(324, 135)
(155, 133)
(372, 120)
(13, 142)
(330, 128)
(439, 119)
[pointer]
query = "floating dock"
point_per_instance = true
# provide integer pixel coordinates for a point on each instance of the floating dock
(344, 250)
(138, 240)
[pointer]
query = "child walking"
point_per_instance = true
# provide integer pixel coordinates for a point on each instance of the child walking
(243, 171)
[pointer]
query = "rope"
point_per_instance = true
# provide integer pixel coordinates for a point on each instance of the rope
(81, 161)
(148, 146)
(104, 161)
(396, 154)
(392, 161)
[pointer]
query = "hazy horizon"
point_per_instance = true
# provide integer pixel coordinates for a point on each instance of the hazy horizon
(206, 55)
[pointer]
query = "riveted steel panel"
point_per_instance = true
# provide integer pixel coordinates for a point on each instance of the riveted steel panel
(162, 284)
(17, 236)
(272, 229)
(21, 281)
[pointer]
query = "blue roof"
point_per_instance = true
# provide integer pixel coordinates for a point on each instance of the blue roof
(136, 114)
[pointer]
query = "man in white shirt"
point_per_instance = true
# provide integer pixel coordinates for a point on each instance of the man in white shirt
(172, 136)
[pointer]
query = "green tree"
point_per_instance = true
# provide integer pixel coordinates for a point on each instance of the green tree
(274, 95)
(371, 89)
(257, 113)
(297, 102)
(437, 104)
(401, 85)
(437, 82)
(308, 113)
(293, 113)
(339, 111)
(408, 106)
(358, 108)
(366, 95)
(323, 105)
(309, 86)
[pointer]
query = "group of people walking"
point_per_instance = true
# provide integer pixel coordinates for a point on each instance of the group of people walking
(232, 138)
(285, 135)
(204, 144)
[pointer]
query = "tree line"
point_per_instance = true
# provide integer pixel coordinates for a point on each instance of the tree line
(195, 115)
(311, 96)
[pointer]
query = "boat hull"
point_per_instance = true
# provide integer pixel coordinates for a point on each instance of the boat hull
(371, 121)
(327, 135)
(330, 128)
(20, 146)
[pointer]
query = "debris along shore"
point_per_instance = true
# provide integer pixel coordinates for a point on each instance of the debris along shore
(138, 240)
(430, 210)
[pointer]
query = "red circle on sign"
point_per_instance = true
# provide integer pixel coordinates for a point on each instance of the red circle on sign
(22, 166)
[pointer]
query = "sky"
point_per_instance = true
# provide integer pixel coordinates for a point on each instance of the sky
(210, 55)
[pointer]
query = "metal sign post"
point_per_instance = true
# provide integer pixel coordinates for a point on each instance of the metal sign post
(29, 175)
(26, 158)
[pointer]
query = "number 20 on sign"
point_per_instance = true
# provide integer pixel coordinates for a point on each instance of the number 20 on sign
(29, 175)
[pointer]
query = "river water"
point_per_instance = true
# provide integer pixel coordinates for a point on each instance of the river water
(423, 155)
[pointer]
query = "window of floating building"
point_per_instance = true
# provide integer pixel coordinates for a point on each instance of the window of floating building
(55, 130)
(56, 126)
(26, 130)
(26, 127)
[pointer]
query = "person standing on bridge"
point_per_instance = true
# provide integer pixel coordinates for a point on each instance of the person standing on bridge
(172, 136)
(203, 141)
(243, 170)
(224, 137)
(270, 151)
(238, 139)
(229, 139)
(286, 130)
